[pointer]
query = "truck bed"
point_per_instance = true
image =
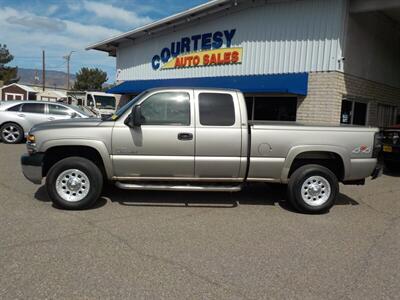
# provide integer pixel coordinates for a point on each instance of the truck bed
(301, 126)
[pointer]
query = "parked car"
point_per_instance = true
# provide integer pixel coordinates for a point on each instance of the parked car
(391, 147)
(197, 140)
(18, 117)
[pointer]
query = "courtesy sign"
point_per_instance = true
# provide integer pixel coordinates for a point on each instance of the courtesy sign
(207, 49)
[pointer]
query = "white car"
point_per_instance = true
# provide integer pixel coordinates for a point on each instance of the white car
(18, 117)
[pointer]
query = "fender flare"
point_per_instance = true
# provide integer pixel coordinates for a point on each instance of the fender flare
(99, 146)
(297, 150)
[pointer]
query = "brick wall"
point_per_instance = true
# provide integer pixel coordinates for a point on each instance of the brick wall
(327, 89)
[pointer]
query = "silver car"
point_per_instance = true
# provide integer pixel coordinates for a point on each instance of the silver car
(18, 117)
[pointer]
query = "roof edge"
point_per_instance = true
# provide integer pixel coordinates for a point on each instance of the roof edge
(174, 17)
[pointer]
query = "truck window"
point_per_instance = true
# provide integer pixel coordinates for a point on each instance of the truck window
(90, 101)
(216, 109)
(169, 108)
(105, 102)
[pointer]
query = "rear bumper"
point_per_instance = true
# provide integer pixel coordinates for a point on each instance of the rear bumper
(32, 167)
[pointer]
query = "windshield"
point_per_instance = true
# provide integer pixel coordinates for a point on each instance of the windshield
(105, 102)
(127, 106)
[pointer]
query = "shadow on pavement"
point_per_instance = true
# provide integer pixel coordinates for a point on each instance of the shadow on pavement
(41, 195)
(393, 172)
(254, 194)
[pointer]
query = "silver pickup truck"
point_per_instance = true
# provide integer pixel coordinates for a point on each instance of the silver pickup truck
(181, 139)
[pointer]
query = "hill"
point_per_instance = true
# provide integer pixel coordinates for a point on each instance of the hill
(53, 78)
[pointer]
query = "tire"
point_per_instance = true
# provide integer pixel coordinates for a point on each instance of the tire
(11, 133)
(393, 167)
(313, 189)
(74, 183)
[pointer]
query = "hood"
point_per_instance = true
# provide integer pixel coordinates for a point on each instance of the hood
(69, 123)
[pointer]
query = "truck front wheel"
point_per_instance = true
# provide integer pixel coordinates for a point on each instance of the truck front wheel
(74, 183)
(313, 189)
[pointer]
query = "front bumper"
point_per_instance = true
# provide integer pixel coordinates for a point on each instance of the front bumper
(32, 167)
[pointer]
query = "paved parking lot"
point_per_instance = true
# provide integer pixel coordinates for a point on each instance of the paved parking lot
(248, 245)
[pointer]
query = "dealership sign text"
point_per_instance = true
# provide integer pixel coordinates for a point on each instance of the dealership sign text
(199, 50)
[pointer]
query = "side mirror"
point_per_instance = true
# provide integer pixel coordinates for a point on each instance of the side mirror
(134, 119)
(74, 115)
(137, 115)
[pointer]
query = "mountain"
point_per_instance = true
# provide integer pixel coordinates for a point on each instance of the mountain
(53, 78)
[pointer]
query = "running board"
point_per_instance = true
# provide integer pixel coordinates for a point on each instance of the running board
(174, 187)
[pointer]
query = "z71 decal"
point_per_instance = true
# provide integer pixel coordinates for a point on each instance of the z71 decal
(362, 149)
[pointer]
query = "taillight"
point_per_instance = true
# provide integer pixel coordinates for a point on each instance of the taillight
(378, 138)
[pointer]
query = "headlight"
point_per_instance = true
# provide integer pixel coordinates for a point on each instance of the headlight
(31, 143)
(31, 138)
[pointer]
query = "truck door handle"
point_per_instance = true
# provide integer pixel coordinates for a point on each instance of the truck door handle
(51, 118)
(185, 136)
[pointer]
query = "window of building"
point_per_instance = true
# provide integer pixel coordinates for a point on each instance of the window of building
(58, 110)
(261, 108)
(50, 99)
(354, 112)
(216, 109)
(387, 115)
(36, 108)
(169, 108)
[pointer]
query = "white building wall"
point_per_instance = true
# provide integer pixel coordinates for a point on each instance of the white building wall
(373, 48)
(279, 37)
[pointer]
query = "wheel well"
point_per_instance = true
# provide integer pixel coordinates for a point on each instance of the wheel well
(330, 160)
(11, 122)
(55, 154)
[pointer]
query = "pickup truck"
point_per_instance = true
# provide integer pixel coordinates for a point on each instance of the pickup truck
(185, 139)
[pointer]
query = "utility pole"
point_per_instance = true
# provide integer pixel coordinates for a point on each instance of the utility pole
(43, 70)
(68, 58)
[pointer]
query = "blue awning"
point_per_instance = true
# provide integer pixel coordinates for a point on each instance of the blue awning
(277, 84)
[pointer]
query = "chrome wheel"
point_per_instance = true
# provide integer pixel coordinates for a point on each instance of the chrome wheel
(315, 191)
(10, 134)
(72, 185)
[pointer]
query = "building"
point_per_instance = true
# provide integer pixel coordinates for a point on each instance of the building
(313, 61)
(16, 91)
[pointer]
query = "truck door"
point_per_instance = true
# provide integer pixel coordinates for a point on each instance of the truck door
(163, 146)
(218, 135)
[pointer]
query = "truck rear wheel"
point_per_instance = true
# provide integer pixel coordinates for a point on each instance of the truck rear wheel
(74, 183)
(313, 189)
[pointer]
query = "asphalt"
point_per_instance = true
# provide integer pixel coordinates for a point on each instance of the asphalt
(152, 245)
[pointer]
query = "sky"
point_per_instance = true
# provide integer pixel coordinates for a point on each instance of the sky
(27, 27)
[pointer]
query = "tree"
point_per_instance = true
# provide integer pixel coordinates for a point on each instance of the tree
(7, 74)
(89, 79)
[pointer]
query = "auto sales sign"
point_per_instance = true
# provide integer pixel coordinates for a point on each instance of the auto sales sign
(199, 50)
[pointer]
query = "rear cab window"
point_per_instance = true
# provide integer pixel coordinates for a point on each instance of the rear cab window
(216, 109)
